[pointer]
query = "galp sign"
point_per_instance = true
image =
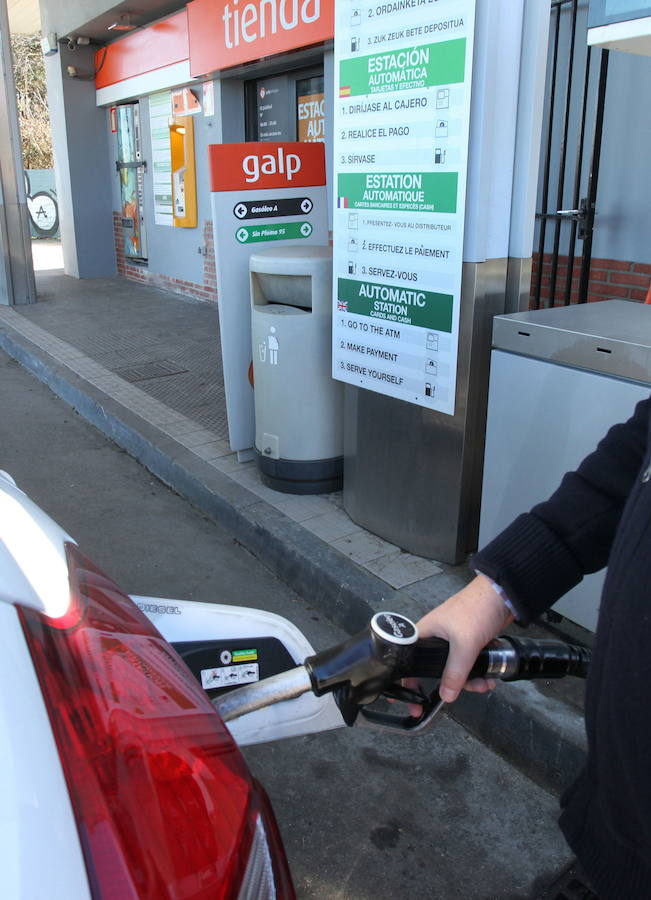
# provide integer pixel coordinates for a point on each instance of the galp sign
(226, 33)
(278, 163)
(263, 166)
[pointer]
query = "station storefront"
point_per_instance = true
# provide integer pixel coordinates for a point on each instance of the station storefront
(216, 72)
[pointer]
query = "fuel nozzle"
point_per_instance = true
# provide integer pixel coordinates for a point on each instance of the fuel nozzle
(359, 669)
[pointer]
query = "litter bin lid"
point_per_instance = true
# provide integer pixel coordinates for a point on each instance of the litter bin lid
(277, 309)
(612, 337)
(294, 260)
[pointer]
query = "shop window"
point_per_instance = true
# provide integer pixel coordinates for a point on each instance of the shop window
(131, 169)
(286, 107)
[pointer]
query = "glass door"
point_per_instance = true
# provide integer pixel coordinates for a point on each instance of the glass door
(131, 168)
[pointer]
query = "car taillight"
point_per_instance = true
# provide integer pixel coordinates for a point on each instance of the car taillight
(164, 803)
(263, 873)
(266, 875)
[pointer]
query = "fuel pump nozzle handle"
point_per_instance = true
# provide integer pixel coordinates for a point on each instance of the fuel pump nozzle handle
(366, 660)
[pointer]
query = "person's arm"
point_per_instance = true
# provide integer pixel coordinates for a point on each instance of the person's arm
(542, 554)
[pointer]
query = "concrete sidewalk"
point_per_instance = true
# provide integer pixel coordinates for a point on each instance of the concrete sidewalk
(144, 367)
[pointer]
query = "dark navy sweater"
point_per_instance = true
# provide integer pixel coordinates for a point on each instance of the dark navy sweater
(600, 515)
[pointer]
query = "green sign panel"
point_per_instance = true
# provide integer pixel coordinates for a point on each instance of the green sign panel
(284, 231)
(434, 192)
(392, 303)
(404, 70)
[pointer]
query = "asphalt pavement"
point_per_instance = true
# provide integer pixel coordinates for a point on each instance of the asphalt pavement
(363, 815)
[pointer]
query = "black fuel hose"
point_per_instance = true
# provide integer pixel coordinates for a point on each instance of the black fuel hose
(508, 658)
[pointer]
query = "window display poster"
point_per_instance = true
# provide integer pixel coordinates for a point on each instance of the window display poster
(273, 108)
(208, 99)
(184, 103)
(311, 117)
(402, 112)
(160, 110)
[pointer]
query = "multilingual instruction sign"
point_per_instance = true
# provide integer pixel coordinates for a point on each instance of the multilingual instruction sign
(402, 113)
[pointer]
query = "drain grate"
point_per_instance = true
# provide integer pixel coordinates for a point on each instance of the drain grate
(147, 371)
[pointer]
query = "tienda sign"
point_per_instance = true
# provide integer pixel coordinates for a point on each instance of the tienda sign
(225, 33)
(265, 166)
(267, 18)
(214, 35)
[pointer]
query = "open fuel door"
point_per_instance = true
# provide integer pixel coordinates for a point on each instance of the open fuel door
(227, 646)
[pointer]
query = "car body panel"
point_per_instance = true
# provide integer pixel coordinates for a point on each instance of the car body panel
(32, 554)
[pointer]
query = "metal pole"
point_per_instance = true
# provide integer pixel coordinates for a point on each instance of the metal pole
(593, 179)
(17, 284)
(548, 154)
(563, 156)
(577, 182)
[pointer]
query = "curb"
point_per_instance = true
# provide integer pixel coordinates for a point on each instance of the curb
(541, 735)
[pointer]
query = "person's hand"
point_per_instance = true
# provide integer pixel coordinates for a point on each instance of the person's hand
(468, 621)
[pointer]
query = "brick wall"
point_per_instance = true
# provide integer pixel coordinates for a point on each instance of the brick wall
(209, 271)
(143, 275)
(609, 279)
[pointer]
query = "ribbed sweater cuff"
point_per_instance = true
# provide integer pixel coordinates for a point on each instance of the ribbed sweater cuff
(531, 563)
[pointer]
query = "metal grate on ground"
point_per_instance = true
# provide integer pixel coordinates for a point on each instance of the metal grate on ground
(198, 390)
(158, 368)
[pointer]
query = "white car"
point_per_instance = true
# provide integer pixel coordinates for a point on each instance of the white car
(119, 779)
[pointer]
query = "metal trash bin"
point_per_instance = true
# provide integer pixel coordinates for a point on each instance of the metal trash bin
(298, 405)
